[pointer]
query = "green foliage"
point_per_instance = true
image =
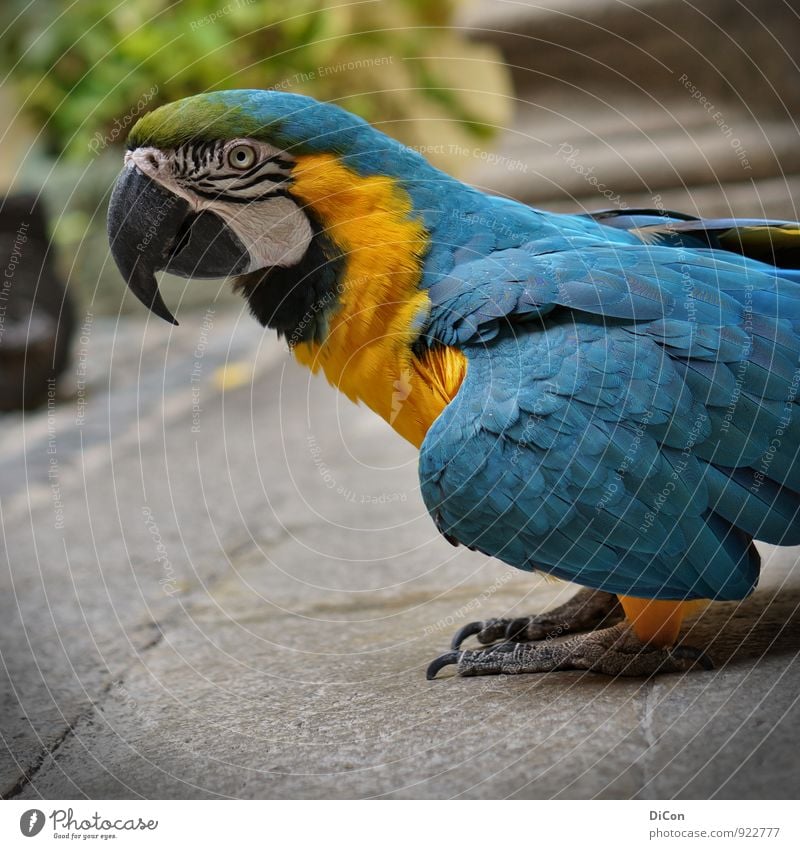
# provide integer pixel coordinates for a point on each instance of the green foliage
(85, 72)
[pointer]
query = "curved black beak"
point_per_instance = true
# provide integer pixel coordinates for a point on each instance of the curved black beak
(151, 229)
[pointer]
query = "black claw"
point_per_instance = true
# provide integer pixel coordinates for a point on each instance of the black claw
(705, 661)
(462, 634)
(517, 628)
(443, 660)
(693, 654)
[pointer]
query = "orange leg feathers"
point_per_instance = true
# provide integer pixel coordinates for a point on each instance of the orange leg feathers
(657, 622)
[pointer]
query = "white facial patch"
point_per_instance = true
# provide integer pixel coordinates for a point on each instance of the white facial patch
(274, 231)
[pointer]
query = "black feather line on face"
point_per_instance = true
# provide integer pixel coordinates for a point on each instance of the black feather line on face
(230, 197)
(298, 300)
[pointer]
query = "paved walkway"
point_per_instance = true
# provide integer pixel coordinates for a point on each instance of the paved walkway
(221, 581)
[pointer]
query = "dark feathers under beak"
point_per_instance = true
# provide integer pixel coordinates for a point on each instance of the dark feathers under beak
(152, 229)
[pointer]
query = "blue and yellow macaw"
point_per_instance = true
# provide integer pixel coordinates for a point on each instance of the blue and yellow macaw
(611, 399)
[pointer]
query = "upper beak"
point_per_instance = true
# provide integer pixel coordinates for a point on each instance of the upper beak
(150, 229)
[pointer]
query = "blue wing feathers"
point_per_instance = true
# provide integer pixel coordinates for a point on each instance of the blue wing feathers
(630, 418)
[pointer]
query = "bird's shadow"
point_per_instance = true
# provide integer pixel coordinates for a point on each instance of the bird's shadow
(767, 623)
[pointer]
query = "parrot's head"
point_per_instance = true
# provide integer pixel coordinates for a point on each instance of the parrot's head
(247, 184)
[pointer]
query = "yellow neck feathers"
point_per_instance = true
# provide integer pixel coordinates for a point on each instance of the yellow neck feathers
(367, 352)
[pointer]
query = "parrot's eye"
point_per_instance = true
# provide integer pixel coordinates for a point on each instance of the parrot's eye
(241, 157)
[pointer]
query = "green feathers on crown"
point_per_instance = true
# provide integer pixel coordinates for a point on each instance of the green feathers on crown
(205, 117)
(283, 119)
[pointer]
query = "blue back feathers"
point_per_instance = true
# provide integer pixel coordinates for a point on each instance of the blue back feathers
(630, 416)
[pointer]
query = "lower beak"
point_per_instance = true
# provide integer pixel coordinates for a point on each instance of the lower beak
(151, 229)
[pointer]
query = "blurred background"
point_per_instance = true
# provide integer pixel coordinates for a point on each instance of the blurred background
(77, 81)
(221, 580)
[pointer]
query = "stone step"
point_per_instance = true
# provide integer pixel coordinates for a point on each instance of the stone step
(745, 51)
(563, 159)
(619, 100)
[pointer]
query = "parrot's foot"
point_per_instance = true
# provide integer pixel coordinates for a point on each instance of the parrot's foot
(611, 651)
(587, 610)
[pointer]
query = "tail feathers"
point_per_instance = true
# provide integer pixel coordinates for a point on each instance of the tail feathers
(749, 500)
(722, 556)
(773, 242)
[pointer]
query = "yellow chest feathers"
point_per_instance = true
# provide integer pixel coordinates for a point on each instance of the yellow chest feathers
(367, 351)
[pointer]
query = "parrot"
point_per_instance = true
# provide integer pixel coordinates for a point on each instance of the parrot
(608, 398)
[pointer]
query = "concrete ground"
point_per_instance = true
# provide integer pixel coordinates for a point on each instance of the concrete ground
(219, 580)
